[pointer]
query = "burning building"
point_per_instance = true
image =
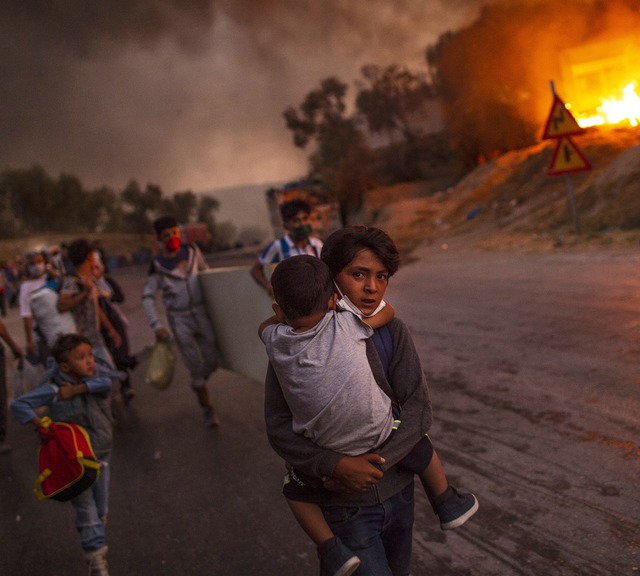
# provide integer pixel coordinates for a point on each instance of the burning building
(599, 81)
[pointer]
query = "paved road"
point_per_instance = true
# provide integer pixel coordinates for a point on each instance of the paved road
(533, 368)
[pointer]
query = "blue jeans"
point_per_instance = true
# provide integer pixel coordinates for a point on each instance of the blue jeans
(380, 535)
(91, 507)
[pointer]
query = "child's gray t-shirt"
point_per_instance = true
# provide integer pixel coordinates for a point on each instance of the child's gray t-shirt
(328, 384)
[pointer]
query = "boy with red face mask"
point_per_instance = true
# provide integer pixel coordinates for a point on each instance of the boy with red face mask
(175, 272)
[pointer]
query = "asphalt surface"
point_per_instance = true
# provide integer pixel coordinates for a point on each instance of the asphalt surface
(532, 361)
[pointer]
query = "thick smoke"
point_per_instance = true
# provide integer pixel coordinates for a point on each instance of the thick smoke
(187, 94)
(495, 75)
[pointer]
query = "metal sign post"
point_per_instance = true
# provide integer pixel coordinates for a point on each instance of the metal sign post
(567, 157)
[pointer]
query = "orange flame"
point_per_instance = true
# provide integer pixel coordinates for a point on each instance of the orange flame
(614, 110)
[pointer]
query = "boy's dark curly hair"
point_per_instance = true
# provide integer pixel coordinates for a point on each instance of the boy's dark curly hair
(78, 251)
(290, 209)
(65, 343)
(341, 247)
(302, 285)
(163, 223)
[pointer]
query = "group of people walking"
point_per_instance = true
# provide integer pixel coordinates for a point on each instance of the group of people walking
(76, 333)
(346, 402)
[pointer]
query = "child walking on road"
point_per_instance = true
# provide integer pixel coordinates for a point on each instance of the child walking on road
(320, 360)
(77, 390)
(175, 273)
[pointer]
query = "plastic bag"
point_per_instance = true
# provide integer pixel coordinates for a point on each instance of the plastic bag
(161, 365)
(26, 376)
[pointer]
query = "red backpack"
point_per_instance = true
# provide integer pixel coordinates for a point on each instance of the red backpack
(68, 465)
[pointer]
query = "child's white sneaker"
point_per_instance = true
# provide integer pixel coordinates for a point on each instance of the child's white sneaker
(97, 562)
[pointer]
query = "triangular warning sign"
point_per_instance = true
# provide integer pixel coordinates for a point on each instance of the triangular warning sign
(567, 158)
(560, 122)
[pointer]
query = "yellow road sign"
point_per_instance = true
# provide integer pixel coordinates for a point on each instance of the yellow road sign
(560, 122)
(567, 157)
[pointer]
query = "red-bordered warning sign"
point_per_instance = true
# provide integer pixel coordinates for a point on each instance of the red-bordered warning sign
(560, 122)
(567, 158)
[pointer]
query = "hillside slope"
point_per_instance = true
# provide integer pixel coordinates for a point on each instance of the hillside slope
(511, 202)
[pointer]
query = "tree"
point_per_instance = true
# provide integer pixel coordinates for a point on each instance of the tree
(141, 206)
(30, 193)
(69, 207)
(319, 108)
(33, 202)
(392, 99)
(184, 206)
(207, 206)
(395, 101)
(104, 205)
(341, 155)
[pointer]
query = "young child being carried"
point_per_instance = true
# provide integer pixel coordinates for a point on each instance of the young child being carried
(320, 360)
(77, 390)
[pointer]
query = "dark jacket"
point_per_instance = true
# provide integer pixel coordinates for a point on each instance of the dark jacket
(406, 386)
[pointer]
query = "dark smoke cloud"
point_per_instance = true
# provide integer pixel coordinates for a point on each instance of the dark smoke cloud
(187, 94)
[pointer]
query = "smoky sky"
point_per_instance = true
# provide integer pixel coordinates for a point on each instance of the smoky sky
(188, 94)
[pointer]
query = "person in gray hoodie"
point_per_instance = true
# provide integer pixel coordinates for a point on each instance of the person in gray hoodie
(76, 388)
(319, 357)
(367, 499)
(174, 272)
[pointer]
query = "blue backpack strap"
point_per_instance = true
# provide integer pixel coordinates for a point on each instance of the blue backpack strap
(384, 346)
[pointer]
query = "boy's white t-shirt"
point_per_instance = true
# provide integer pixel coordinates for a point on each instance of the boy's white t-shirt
(328, 384)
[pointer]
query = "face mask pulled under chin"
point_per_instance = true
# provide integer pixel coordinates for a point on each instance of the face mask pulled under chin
(345, 304)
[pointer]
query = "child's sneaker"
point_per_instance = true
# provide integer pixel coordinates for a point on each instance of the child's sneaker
(336, 559)
(455, 510)
(97, 562)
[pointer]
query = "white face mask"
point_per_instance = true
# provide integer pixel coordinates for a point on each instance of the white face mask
(345, 304)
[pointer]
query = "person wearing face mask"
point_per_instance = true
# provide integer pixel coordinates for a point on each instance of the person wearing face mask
(296, 241)
(365, 495)
(174, 272)
(35, 268)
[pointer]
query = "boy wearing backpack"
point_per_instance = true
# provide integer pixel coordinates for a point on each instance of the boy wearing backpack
(76, 389)
(319, 357)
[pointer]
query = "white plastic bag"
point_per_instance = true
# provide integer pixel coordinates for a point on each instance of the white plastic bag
(162, 364)
(26, 377)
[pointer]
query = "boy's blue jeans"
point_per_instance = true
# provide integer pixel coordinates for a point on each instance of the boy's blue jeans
(380, 535)
(91, 507)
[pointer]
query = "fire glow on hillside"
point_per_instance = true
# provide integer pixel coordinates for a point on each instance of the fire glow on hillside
(614, 110)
